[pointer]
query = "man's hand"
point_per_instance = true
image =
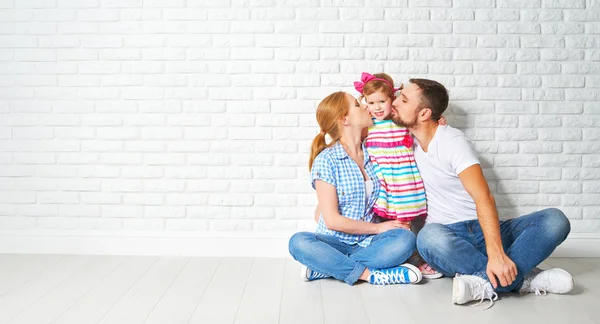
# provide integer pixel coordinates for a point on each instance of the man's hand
(503, 267)
(393, 224)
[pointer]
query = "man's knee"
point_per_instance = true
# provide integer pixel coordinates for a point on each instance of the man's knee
(433, 239)
(557, 224)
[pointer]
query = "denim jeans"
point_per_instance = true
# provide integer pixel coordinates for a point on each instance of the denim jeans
(325, 254)
(459, 248)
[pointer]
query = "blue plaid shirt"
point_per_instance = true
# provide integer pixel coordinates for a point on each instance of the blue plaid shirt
(335, 167)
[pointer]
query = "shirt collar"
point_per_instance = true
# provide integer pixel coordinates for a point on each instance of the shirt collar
(340, 153)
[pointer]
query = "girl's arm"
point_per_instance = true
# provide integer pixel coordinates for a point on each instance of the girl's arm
(328, 205)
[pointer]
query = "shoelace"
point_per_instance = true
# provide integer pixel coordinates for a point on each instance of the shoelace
(537, 291)
(380, 278)
(316, 275)
(542, 291)
(479, 288)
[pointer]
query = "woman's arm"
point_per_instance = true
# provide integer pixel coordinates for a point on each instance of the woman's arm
(328, 205)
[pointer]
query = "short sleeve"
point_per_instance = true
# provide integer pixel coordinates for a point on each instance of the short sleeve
(461, 153)
(323, 168)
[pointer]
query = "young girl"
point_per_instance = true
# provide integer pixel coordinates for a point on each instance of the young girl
(402, 194)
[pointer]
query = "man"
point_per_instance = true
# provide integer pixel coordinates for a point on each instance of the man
(463, 237)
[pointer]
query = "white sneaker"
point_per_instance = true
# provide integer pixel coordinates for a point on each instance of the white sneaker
(467, 288)
(556, 281)
(309, 275)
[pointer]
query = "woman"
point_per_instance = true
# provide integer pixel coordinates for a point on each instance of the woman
(348, 244)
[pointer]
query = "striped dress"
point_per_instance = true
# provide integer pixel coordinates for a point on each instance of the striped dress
(402, 194)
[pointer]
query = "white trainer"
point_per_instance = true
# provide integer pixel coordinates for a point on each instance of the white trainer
(555, 281)
(467, 288)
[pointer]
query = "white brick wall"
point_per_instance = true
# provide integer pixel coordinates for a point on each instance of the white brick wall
(197, 115)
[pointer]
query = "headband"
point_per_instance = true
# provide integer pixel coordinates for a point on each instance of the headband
(366, 77)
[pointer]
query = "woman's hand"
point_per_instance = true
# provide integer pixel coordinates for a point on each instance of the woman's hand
(392, 224)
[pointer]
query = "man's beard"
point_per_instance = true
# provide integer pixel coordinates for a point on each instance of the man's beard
(408, 124)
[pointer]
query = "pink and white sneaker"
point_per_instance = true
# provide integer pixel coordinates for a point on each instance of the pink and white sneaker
(428, 272)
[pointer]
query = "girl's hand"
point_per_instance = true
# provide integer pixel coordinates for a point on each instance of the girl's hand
(442, 121)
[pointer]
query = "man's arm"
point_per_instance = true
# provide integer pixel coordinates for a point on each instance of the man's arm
(499, 264)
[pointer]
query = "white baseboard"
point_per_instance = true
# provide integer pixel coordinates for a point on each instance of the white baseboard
(206, 244)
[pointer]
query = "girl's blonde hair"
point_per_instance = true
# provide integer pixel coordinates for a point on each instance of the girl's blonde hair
(329, 113)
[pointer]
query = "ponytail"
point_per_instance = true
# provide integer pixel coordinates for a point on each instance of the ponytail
(329, 112)
(318, 145)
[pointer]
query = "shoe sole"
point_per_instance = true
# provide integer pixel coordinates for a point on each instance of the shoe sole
(303, 273)
(415, 270)
(455, 289)
(432, 276)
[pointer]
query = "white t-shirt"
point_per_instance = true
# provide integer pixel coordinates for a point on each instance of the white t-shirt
(368, 190)
(448, 154)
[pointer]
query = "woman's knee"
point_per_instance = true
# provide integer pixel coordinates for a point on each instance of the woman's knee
(402, 238)
(397, 250)
(298, 242)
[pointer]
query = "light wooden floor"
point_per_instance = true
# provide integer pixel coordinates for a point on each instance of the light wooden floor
(38, 289)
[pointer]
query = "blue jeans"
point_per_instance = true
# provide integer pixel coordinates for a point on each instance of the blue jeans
(459, 248)
(325, 254)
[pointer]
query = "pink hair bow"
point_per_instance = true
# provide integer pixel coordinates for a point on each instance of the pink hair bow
(366, 77)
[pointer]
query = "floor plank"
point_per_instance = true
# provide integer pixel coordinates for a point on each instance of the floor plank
(15, 270)
(49, 307)
(590, 263)
(138, 302)
(343, 303)
(220, 302)
(15, 302)
(383, 303)
(561, 308)
(97, 302)
(572, 266)
(301, 302)
(180, 301)
(261, 300)
(153, 290)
